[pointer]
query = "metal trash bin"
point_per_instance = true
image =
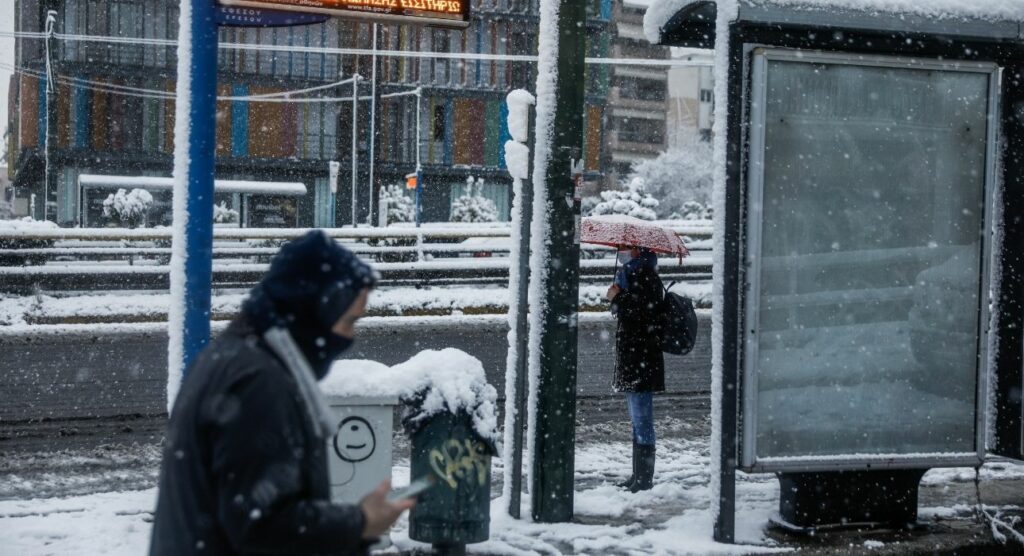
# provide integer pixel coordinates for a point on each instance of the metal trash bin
(457, 510)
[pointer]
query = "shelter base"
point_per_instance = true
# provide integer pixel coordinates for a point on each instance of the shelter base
(843, 499)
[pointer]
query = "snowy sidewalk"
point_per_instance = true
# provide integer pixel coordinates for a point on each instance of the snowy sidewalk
(670, 519)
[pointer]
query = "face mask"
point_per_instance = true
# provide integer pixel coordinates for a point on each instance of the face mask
(324, 353)
(625, 257)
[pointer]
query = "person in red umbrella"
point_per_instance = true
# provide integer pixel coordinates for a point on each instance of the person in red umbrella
(636, 300)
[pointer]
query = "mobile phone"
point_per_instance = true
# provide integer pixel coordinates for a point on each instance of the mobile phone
(414, 489)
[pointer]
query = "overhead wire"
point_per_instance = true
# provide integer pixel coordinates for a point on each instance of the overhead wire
(345, 51)
(141, 92)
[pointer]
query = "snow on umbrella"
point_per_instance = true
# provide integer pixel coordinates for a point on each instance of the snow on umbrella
(619, 230)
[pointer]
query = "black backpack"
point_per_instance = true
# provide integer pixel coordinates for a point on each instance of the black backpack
(679, 327)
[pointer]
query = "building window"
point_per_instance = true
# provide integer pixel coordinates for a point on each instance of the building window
(640, 130)
(636, 88)
(439, 123)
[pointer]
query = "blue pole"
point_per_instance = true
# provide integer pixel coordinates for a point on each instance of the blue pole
(198, 236)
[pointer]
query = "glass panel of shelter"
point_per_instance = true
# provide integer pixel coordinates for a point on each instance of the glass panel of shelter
(864, 308)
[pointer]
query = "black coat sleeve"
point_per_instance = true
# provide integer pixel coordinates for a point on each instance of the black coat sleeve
(258, 455)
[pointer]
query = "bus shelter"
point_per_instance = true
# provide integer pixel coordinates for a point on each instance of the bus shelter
(869, 213)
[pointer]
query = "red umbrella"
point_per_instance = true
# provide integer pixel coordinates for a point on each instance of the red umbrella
(619, 230)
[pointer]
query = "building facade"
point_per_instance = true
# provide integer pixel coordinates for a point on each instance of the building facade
(638, 100)
(113, 108)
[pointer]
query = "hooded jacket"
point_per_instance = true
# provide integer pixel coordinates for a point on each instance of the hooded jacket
(244, 467)
(639, 361)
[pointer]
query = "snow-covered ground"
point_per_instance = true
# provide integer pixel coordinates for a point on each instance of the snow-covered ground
(671, 519)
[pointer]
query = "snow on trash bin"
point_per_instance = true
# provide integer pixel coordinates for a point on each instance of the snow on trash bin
(449, 413)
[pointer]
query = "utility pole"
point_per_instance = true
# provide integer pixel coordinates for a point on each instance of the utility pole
(51, 132)
(554, 434)
(373, 124)
(354, 153)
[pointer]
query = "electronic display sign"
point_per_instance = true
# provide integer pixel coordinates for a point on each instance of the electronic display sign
(436, 13)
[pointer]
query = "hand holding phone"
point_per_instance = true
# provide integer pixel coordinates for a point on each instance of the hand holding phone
(415, 488)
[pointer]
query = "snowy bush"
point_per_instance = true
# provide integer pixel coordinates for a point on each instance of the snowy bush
(692, 210)
(399, 206)
(224, 215)
(680, 179)
(588, 203)
(474, 207)
(128, 208)
(631, 201)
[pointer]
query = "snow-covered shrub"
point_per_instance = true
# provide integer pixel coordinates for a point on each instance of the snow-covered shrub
(692, 210)
(588, 203)
(400, 207)
(473, 206)
(130, 208)
(677, 178)
(631, 201)
(224, 215)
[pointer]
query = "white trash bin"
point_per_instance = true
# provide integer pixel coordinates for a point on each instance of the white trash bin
(359, 452)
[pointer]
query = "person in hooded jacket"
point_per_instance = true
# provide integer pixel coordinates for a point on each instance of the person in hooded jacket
(636, 300)
(244, 462)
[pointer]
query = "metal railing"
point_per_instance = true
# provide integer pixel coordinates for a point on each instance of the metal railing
(131, 259)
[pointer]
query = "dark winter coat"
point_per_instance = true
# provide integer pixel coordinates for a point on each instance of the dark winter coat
(639, 362)
(244, 470)
(244, 465)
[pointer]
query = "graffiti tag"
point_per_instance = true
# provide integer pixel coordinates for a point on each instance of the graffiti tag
(456, 460)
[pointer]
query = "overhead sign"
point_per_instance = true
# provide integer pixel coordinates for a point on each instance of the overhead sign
(437, 13)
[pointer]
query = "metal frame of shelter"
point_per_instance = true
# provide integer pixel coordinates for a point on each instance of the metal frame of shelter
(762, 29)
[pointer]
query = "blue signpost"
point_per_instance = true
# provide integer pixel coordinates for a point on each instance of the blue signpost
(198, 233)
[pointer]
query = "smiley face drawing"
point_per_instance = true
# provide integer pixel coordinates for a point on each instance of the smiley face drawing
(354, 441)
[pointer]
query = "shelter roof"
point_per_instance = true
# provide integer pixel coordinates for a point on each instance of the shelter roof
(975, 18)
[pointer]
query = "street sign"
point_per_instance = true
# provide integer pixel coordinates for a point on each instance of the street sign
(410, 181)
(227, 16)
(437, 13)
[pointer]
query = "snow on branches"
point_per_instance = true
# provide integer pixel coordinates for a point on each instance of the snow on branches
(129, 208)
(473, 206)
(399, 206)
(680, 179)
(224, 215)
(631, 201)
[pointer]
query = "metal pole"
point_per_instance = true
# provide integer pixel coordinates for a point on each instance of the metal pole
(419, 168)
(49, 175)
(194, 158)
(373, 121)
(554, 433)
(355, 157)
(522, 339)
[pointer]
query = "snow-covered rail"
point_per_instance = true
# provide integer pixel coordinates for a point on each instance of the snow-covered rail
(440, 272)
(700, 229)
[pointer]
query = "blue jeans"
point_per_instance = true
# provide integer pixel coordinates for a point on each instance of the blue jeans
(641, 413)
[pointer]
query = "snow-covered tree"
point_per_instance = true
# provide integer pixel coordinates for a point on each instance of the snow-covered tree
(399, 206)
(473, 206)
(224, 215)
(129, 208)
(680, 179)
(631, 201)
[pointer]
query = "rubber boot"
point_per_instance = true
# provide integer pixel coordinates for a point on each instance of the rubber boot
(644, 469)
(628, 483)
